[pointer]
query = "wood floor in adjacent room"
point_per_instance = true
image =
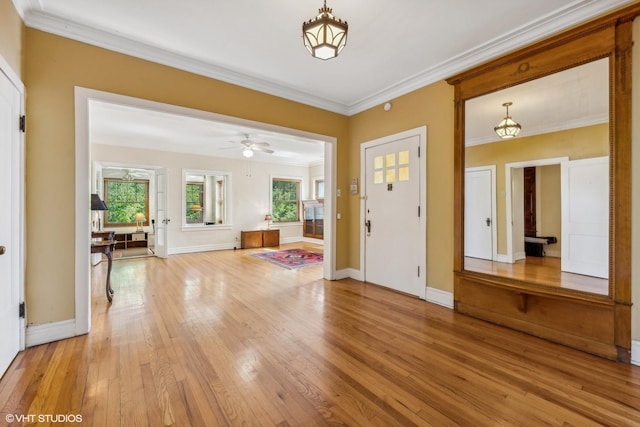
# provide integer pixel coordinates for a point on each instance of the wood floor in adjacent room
(222, 338)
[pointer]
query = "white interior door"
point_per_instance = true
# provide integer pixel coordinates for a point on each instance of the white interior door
(585, 216)
(10, 228)
(479, 221)
(161, 214)
(394, 241)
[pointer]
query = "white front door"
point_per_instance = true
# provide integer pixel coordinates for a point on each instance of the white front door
(478, 213)
(585, 217)
(395, 241)
(10, 229)
(161, 214)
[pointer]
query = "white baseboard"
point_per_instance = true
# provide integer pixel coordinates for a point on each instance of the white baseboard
(294, 239)
(228, 246)
(440, 297)
(204, 248)
(434, 295)
(312, 240)
(349, 273)
(503, 258)
(49, 332)
(635, 352)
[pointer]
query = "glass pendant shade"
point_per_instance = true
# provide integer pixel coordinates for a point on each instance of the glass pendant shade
(507, 128)
(325, 35)
(247, 152)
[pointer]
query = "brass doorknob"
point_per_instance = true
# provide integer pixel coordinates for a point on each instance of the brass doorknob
(2, 250)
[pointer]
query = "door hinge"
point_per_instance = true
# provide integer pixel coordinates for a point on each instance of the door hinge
(21, 310)
(418, 271)
(23, 123)
(418, 211)
(418, 151)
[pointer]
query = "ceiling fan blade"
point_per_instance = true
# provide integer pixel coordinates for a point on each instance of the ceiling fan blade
(262, 143)
(264, 150)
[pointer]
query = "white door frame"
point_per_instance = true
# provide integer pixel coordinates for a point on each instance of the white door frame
(421, 132)
(494, 209)
(19, 210)
(161, 241)
(510, 256)
(83, 181)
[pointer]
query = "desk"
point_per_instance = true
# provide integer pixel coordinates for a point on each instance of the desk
(105, 247)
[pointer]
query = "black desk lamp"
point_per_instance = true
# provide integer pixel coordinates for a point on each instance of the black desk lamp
(98, 205)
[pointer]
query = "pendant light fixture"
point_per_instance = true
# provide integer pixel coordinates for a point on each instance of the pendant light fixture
(507, 128)
(325, 35)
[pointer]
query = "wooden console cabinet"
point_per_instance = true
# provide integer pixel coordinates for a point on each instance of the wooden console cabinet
(131, 240)
(259, 239)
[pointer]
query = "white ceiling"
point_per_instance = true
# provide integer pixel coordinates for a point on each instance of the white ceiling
(573, 98)
(135, 127)
(392, 49)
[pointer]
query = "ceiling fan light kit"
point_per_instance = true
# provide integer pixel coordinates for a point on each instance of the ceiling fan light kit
(249, 147)
(325, 35)
(507, 128)
(128, 176)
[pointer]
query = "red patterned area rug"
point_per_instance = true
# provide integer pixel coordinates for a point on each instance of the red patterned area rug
(291, 258)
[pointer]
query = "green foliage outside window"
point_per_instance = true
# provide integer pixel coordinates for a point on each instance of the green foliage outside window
(193, 196)
(124, 200)
(286, 200)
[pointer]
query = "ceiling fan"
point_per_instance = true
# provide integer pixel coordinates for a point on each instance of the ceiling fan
(126, 174)
(248, 147)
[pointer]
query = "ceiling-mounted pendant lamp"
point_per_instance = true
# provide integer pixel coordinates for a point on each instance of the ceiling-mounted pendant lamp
(325, 35)
(507, 128)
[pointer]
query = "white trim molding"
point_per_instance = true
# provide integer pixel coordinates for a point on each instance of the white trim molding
(49, 332)
(351, 273)
(440, 297)
(635, 352)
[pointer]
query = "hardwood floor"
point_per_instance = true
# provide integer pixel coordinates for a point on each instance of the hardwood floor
(543, 270)
(132, 253)
(222, 338)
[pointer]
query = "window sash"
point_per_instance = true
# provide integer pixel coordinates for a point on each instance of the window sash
(123, 204)
(194, 193)
(285, 201)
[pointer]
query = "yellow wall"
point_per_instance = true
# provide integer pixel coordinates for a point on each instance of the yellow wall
(53, 66)
(11, 36)
(580, 143)
(431, 106)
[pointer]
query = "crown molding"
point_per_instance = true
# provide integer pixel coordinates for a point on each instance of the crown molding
(117, 43)
(571, 15)
(574, 13)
